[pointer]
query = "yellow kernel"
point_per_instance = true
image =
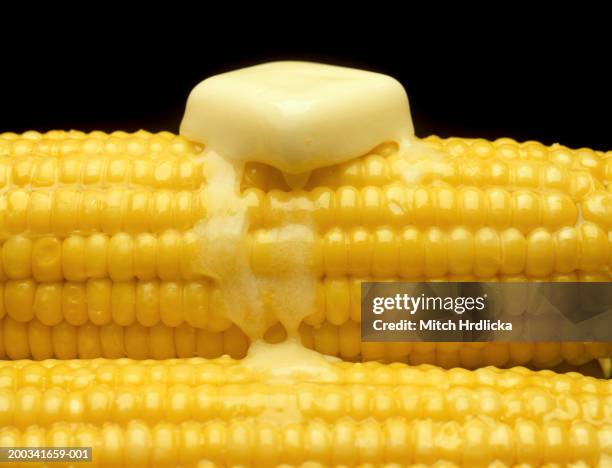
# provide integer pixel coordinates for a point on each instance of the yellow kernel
(64, 340)
(19, 299)
(195, 303)
(385, 253)
(88, 342)
(161, 339)
(47, 259)
(99, 301)
(16, 210)
(372, 202)
(48, 303)
(324, 207)
(335, 252)
(92, 203)
(145, 261)
(93, 170)
(460, 251)
(39, 212)
(117, 170)
(525, 210)
(412, 253)
(96, 247)
(136, 341)
(525, 174)
(337, 300)
(17, 257)
(120, 257)
(540, 253)
(436, 253)
(39, 341)
(66, 207)
(75, 259)
(147, 303)
(348, 206)
(70, 169)
(360, 252)
(471, 205)
(137, 211)
(161, 211)
(594, 250)
(567, 247)
(114, 210)
(209, 344)
(487, 253)
(558, 210)
(163, 172)
(597, 207)
(74, 303)
(22, 170)
(123, 303)
(168, 255)
(171, 304)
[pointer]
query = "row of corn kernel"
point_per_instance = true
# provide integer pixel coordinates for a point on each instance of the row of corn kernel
(55, 135)
(501, 168)
(196, 303)
(453, 172)
(172, 303)
(508, 149)
(176, 403)
(83, 373)
(100, 171)
(476, 172)
(64, 341)
(170, 255)
(64, 211)
(102, 302)
(434, 252)
(33, 340)
(261, 443)
(397, 205)
(64, 143)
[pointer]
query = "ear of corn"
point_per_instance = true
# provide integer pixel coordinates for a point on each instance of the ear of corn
(97, 259)
(98, 249)
(181, 412)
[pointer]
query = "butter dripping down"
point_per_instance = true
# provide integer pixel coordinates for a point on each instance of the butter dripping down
(286, 290)
(297, 117)
(256, 301)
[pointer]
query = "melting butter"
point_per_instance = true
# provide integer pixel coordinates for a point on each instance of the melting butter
(290, 360)
(297, 116)
(224, 254)
(283, 287)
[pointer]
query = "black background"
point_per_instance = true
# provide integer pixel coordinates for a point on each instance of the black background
(527, 78)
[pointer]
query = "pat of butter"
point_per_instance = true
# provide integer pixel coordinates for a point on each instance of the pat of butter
(297, 116)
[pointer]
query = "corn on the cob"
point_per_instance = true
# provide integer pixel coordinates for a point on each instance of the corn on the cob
(180, 412)
(99, 252)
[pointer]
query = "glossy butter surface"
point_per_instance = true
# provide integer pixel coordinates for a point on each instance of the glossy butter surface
(297, 116)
